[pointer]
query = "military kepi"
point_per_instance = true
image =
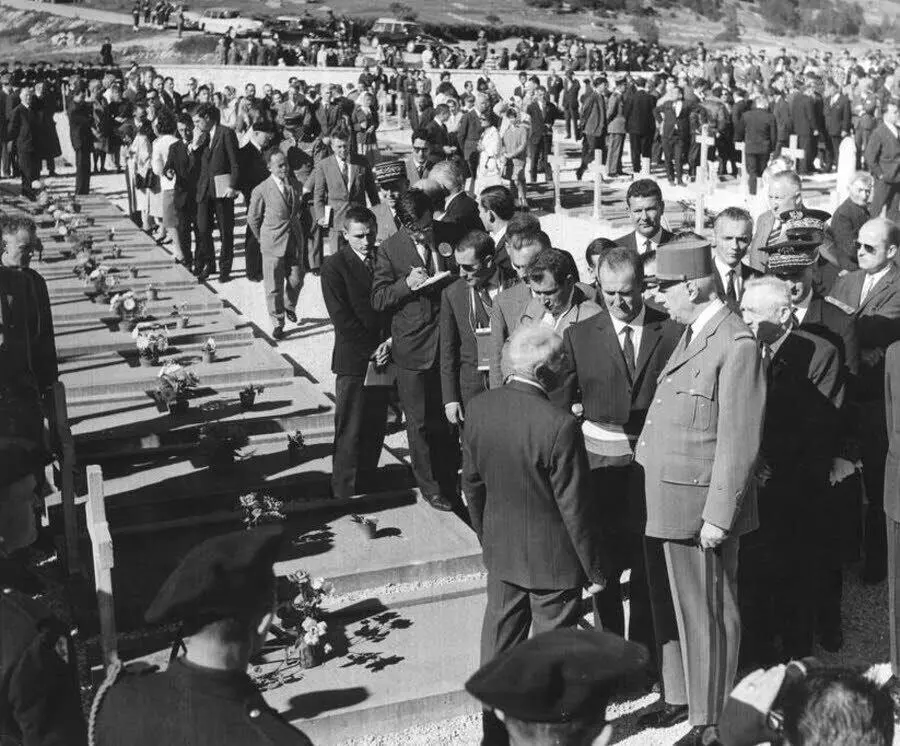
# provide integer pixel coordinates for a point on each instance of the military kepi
(558, 676)
(222, 578)
(687, 257)
(802, 232)
(387, 172)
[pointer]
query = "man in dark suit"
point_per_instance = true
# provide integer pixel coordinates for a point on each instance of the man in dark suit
(699, 450)
(837, 122)
(758, 130)
(459, 208)
(183, 165)
(674, 121)
(882, 156)
(81, 120)
(468, 133)
(9, 100)
(779, 562)
(570, 104)
(25, 130)
(466, 324)
(496, 207)
(873, 292)
(639, 123)
(438, 137)
(851, 215)
(359, 337)
(253, 171)
(733, 229)
(806, 127)
(218, 150)
(403, 286)
(592, 119)
(645, 203)
(612, 363)
(542, 114)
(419, 163)
(527, 484)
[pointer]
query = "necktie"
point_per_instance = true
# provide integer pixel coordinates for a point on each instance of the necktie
(343, 170)
(688, 333)
(628, 351)
(482, 309)
(730, 290)
(648, 247)
(866, 289)
(370, 262)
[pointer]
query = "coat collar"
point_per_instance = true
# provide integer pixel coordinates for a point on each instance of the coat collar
(527, 388)
(881, 288)
(229, 685)
(681, 355)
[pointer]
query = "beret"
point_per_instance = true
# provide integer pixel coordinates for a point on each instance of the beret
(222, 578)
(558, 676)
(687, 258)
(386, 172)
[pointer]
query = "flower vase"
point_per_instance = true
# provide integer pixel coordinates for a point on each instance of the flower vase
(152, 294)
(182, 322)
(130, 324)
(148, 361)
(310, 655)
(133, 272)
(294, 453)
(179, 406)
(369, 530)
(247, 399)
(208, 356)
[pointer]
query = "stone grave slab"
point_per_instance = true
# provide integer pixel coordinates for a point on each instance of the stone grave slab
(78, 310)
(163, 278)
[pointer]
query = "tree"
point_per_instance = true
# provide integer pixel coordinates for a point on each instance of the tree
(647, 29)
(732, 30)
(781, 15)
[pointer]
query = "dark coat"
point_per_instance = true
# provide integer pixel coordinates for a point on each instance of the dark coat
(186, 704)
(217, 157)
(468, 133)
(25, 129)
(892, 410)
(758, 129)
(883, 155)
(463, 212)
(358, 328)
(252, 169)
(673, 127)
(186, 166)
(527, 484)
(837, 116)
(803, 115)
(460, 378)
(81, 121)
(542, 120)
(844, 230)
(638, 110)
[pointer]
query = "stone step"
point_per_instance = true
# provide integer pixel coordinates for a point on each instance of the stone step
(163, 278)
(239, 361)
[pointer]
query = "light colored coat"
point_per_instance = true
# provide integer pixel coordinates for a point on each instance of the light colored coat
(702, 435)
(329, 189)
(276, 223)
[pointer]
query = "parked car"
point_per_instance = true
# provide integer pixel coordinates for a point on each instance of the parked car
(407, 35)
(219, 20)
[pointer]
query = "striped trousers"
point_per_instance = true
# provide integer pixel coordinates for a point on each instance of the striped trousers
(695, 593)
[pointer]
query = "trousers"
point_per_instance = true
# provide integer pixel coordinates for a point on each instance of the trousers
(283, 280)
(360, 415)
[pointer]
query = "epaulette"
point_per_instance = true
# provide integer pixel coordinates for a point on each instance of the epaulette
(744, 334)
(848, 309)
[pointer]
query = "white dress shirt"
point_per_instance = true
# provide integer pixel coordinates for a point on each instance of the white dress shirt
(705, 317)
(801, 308)
(641, 242)
(871, 281)
(723, 270)
(637, 330)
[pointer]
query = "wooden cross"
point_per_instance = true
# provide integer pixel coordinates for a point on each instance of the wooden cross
(104, 561)
(742, 148)
(556, 161)
(798, 154)
(597, 169)
(705, 141)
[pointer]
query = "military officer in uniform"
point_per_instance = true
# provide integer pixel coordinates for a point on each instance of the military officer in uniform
(698, 449)
(223, 594)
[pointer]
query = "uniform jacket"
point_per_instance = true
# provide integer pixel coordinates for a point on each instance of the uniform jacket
(877, 322)
(387, 223)
(883, 155)
(702, 435)
(460, 378)
(275, 218)
(844, 230)
(358, 328)
(414, 313)
(527, 484)
(758, 129)
(217, 157)
(186, 704)
(329, 188)
(596, 375)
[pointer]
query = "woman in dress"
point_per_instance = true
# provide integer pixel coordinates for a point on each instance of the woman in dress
(365, 123)
(489, 171)
(162, 206)
(140, 156)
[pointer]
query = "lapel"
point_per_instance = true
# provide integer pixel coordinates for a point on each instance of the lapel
(650, 337)
(698, 344)
(609, 340)
(408, 247)
(278, 194)
(813, 312)
(355, 267)
(884, 286)
(339, 179)
(351, 174)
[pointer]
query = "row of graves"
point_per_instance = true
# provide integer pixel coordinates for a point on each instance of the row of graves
(178, 421)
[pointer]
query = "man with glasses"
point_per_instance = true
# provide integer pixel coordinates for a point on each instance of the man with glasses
(873, 292)
(418, 165)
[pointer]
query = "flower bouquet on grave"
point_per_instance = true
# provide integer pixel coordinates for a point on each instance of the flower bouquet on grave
(248, 395)
(172, 387)
(295, 445)
(132, 270)
(111, 234)
(99, 279)
(260, 508)
(369, 526)
(152, 292)
(221, 441)
(304, 619)
(151, 342)
(128, 307)
(84, 266)
(208, 351)
(179, 311)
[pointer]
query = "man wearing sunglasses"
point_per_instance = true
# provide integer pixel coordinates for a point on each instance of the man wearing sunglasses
(873, 292)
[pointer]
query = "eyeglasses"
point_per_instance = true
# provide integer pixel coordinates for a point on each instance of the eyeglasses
(869, 249)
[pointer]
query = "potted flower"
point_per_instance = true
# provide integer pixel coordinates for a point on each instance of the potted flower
(84, 266)
(151, 343)
(296, 444)
(248, 395)
(152, 292)
(208, 351)
(369, 526)
(221, 441)
(128, 307)
(99, 280)
(117, 251)
(304, 618)
(111, 234)
(173, 386)
(179, 311)
(260, 508)
(132, 270)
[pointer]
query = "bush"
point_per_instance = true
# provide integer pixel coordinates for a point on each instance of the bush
(781, 15)
(493, 19)
(403, 11)
(732, 30)
(647, 29)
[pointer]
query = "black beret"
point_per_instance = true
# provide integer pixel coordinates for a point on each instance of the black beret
(557, 676)
(224, 577)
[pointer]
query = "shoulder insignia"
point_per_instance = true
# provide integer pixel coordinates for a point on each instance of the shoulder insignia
(840, 304)
(743, 335)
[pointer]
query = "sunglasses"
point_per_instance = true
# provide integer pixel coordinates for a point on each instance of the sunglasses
(865, 247)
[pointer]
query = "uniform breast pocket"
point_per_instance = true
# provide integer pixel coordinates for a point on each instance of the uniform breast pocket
(698, 406)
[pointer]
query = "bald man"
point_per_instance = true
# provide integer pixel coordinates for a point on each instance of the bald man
(873, 292)
(785, 193)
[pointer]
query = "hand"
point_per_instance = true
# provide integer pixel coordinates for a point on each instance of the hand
(230, 193)
(594, 588)
(454, 413)
(323, 222)
(872, 357)
(711, 536)
(578, 410)
(841, 468)
(383, 353)
(416, 277)
(759, 689)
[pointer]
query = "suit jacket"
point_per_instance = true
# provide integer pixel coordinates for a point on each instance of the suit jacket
(803, 115)
(758, 130)
(505, 315)
(630, 240)
(615, 115)
(275, 218)
(595, 372)
(703, 432)
(843, 229)
(414, 313)
(468, 133)
(527, 485)
(252, 168)
(756, 257)
(877, 323)
(329, 188)
(593, 115)
(463, 212)
(438, 138)
(418, 120)
(25, 129)
(186, 165)
(638, 112)
(826, 319)
(892, 410)
(582, 307)
(460, 378)
(542, 120)
(412, 170)
(837, 116)
(358, 328)
(217, 157)
(674, 127)
(883, 155)
(747, 273)
(571, 89)
(81, 122)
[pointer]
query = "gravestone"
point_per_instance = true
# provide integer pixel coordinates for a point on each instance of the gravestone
(557, 161)
(846, 170)
(597, 170)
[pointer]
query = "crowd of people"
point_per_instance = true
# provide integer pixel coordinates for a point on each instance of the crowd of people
(705, 412)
